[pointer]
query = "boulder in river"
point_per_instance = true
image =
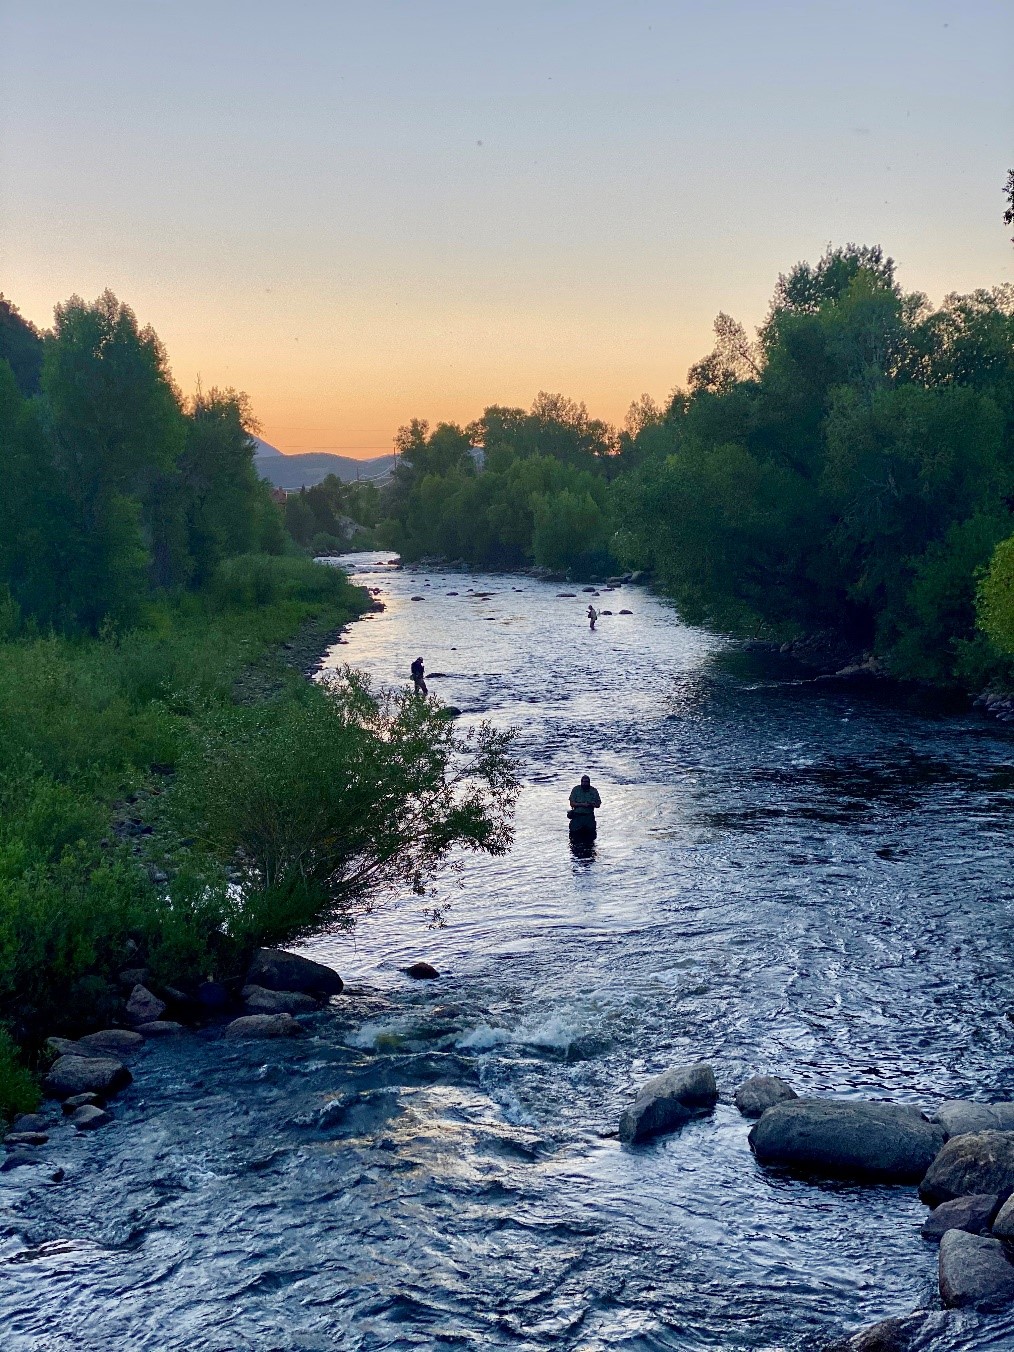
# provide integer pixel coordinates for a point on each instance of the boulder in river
(669, 1101)
(979, 1162)
(972, 1213)
(89, 1117)
(277, 970)
(159, 1028)
(63, 1046)
(958, 1117)
(421, 971)
(1003, 1225)
(14, 1138)
(259, 1000)
(884, 1141)
(30, 1122)
(264, 1025)
(71, 1105)
(143, 1007)
(974, 1270)
(71, 1075)
(901, 1334)
(112, 1042)
(760, 1092)
(17, 1159)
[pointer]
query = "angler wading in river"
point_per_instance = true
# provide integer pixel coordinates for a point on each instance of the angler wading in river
(584, 799)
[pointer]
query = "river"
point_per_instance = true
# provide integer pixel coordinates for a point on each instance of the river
(790, 877)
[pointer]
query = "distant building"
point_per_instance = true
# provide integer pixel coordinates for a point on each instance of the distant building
(278, 496)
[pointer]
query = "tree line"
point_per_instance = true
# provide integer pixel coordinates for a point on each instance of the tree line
(849, 468)
(115, 487)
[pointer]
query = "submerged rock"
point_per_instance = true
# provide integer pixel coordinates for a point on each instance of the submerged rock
(112, 1041)
(884, 1141)
(85, 1074)
(90, 1116)
(669, 1101)
(761, 1092)
(421, 971)
(259, 1000)
(277, 970)
(972, 1213)
(980, 1162)
(16, 1159)
(974, 1270)
(890, 1335)
(264, 1025)
(143, 1007)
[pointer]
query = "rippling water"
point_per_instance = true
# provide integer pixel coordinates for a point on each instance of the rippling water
(789, 878)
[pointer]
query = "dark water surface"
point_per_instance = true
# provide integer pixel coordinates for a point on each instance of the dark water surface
(789, 879)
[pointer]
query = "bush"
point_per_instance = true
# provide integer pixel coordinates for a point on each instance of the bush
(336, 794)
(18, 1091)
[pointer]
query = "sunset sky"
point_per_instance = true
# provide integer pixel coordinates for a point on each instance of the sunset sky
(360, 213)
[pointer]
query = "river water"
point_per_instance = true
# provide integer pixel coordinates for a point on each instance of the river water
(790, 878)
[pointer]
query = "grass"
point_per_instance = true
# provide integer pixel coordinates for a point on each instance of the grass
(87, 724)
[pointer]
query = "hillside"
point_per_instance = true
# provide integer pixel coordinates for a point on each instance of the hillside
(304, 471)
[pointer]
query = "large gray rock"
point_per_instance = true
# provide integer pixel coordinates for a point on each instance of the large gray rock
(668, 1101)
(143, 1007)
(89, 1117)
(761, 1092)
(112, 1042)
(71, 1105)
(958, 1117)
(264, 1025)
(71, 1075)
(974, 1270)
(63, 1046)
(277, 970)
(259, 1000)
(979, 1162)
(884, 1141)
(890, 1335)
(964, 1213)
(160, 1028)
(30, 1122)
(1003, 1225)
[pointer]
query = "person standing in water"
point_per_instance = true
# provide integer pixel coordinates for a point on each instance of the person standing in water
(419, 677)
(584, 799)
(592, 616)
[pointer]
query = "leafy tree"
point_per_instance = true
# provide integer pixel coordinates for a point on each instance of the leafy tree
(20, 345)
(331, 799)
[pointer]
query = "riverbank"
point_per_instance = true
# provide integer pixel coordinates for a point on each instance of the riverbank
(96, 728)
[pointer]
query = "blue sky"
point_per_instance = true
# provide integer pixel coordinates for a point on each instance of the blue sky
(363, 213)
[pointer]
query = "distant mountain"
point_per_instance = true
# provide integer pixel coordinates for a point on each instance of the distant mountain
(303, 471)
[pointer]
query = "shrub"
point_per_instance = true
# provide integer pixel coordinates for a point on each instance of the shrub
(338, 793)
(18, 1091)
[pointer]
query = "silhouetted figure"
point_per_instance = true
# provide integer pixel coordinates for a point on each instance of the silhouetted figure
(419, 677)
(592, 617)
(584, 799)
